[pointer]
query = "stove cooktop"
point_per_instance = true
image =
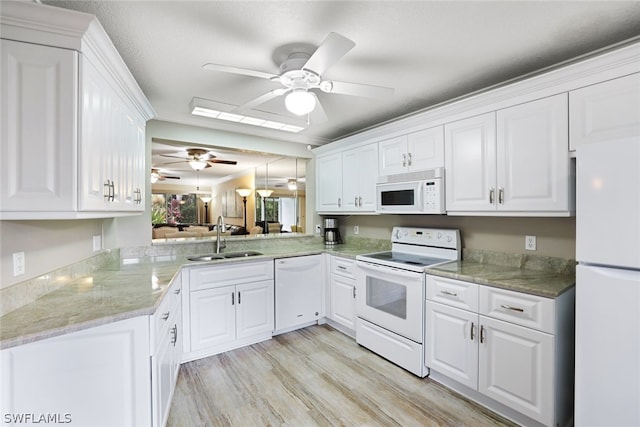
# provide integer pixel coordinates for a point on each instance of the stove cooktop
(405, 258)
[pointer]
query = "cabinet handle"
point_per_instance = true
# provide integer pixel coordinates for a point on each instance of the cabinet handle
(409, 159)
(233, 298)
(138, 198)
(501, 195)
(238, 297)
(482, 337)
(360, 201)
(354, 292)
(492, 193)
(453, 294)
(404, 160)
(112, 191)
(106, 190)
(165, 316)
(473, 331)
(342, 267)
(356, 201)
(339, 202)
(174, 335)
(509, 307)
(177, 291)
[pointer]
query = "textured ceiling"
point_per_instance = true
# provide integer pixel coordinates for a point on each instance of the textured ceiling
(428, 51)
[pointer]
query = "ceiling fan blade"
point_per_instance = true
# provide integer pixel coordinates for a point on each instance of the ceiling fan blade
(174, 157)
(236, 70)
(224, 162)
(260, 100)
(357, 89)
(169, 177)
(318, 115)
(173, 163)
(334, 47)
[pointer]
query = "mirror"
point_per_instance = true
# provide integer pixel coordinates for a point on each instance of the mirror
(186, 201)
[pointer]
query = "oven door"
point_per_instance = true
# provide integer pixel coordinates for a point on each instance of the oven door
(391, 298)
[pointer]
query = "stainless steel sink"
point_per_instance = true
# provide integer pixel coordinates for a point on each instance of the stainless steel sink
(213, 257)
(205, 257)
(241, 254)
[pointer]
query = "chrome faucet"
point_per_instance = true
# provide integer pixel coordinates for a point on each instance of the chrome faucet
(219, 226)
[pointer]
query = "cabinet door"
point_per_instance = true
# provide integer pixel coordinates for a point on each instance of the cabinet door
(162, 378)
(254, 308)
(360, 174)
(343, 301)
(470, 159)
(451, 337)
(605, 111)
(425, 149)
(533, 156)
(213, 318)
(38, 124)
(98, 376)
(329, 182)
(298, 291)
(393, 156)
(516, 368)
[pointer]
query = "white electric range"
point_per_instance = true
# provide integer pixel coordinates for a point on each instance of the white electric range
(390, 293)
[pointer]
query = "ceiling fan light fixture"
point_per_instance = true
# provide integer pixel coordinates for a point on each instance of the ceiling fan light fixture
(197, 165)
(300, 102)
(292, 185)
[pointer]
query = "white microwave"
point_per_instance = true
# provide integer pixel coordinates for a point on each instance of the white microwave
(419, 196)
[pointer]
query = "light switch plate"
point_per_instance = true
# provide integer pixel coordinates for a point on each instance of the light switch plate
(356, 229)
(97, 243)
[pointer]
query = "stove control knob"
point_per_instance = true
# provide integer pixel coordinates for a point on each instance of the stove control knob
(398, 234)
(439, 235)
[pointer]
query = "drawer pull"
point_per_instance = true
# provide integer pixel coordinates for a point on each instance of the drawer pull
(453, 294)
(508, 307)
(473, 331)
(165, 316)
(482, 338)
(177, 291)
(342, 267)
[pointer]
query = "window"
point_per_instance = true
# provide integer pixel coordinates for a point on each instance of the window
(173, 208)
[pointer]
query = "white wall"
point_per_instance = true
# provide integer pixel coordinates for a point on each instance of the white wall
(47, 245)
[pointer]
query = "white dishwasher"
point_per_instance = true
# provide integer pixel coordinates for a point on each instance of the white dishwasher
(298, 289)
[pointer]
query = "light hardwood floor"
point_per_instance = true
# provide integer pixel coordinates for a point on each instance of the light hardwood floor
(314, 377)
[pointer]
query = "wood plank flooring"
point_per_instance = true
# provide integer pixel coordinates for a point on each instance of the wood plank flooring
(314, 377)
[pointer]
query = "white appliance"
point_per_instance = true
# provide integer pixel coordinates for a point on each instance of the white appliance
(607, 385)
(419, 192)
(390, 291)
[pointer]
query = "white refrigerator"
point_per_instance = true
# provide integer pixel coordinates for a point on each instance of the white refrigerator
(607, 364)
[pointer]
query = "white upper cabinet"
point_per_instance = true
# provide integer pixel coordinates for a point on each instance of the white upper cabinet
(605, 111)
(39, 104)
(414, 152)
(346, 180)
(73, 119)
(513, 161)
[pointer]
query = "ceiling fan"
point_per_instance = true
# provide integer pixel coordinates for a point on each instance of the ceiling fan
(301, 73)
(156, 176)
(199, 158)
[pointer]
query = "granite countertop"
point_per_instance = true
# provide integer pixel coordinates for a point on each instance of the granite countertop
(130, 285)
(542, 276)
(133, 282)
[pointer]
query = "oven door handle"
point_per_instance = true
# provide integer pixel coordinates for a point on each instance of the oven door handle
(386, 270)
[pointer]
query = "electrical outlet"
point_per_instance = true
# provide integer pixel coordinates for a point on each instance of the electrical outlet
(356, 229)
(318, 229)
(18, 263)
(530, 243)
(97, 243)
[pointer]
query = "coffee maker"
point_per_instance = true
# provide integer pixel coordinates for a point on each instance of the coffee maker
(331, 232)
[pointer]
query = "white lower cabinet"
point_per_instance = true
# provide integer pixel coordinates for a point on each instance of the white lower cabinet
(298, 292)
(342, 289)
(94, 377)
(227, 306)
(524, 361)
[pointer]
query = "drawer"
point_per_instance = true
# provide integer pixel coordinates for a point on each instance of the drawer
(522, 309)
(164, 316)
(454, 293)
(343, 267)
(229, 274)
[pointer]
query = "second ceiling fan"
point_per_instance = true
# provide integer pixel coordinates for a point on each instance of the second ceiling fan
(301, 73)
